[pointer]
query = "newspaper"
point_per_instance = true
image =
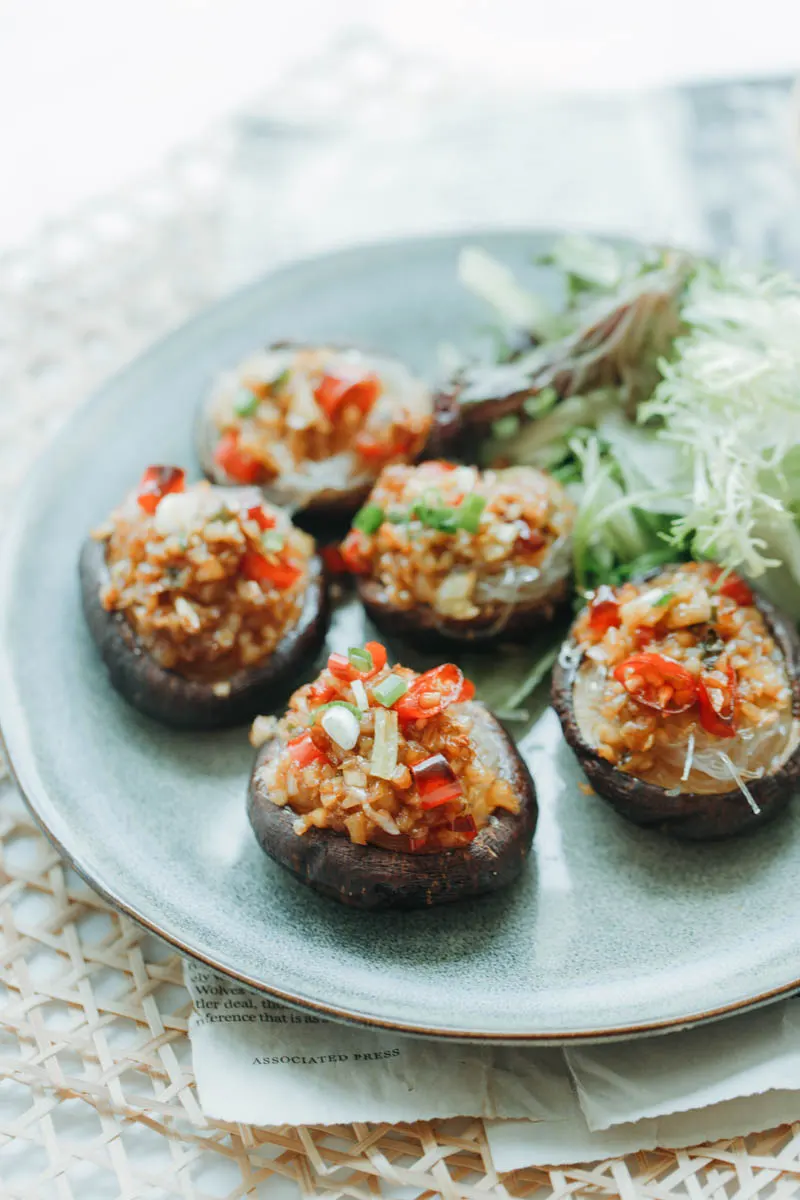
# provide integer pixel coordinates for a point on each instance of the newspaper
(262, 1063)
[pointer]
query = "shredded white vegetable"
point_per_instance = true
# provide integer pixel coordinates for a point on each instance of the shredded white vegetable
(730, 401)
(740, 783)
(687, 766)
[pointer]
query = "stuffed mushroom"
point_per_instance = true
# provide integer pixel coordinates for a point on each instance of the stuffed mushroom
(313, 426)
(382, 788)
(202, 600)
(680, 695)
(441, 550)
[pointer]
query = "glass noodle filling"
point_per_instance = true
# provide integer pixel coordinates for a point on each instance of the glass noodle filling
(465, 542)
(681, 682)
(284, 410)
(384, 756)
(209, 578)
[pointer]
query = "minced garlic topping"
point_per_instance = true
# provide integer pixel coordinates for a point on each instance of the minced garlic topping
(465, 542)
(682, 683)
(378, 774)
(210, 581)
(283, 410)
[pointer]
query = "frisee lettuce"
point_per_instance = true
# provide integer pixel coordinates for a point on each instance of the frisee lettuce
(730, 401)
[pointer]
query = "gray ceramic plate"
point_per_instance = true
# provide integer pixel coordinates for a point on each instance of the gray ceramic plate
(612, 931)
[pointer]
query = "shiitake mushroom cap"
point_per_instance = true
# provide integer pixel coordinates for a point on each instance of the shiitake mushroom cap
(189, 703)
(689, 815)
(429, 629)
(371, 877)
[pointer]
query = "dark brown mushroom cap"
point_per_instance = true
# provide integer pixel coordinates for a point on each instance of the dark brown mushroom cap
(371, 877)
(187, 703)
(428, 628)
(694, 816)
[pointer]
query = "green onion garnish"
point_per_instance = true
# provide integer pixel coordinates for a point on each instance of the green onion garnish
(506, 427)
(368, 519)
(272, 541)
(280, 380)
(663, 599)
(433, 514)
(360, 658)
(389, 690)
(469, 512)
(541, 402)
(443, 519)
(354, 709)
(245, 403)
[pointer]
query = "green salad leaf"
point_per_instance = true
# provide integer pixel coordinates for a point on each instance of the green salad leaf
(671, 410)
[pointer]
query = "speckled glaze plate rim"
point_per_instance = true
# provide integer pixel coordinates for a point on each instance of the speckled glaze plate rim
(21, 757)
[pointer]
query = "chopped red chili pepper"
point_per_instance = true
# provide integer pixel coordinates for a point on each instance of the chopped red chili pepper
(645, 634)
(334, 560)
(603, 610)
(264, 520)
(304, 751)
(737, 590)
(332, 393)
(657, 681)
(281, 574)
(436, 781)
(158, 482)
(355, 552)
(379, 657)
(340, 665)
(716, 700)
(376, 450)
(529, 539)
(320, 693)
(431, 693)
(415, 844)
(237, 463)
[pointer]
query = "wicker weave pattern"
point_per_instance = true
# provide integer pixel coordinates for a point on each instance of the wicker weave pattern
(97, 1095)
(98, 1086)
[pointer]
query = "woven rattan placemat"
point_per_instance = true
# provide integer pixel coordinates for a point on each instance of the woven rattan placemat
(98, 1098)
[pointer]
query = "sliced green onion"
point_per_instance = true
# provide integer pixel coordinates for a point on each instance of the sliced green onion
(353, 708)
(280, 380)
(433, 514)
(245, 403)
(368, 519)
(272, 541)
(663, 599)
(383, 763)
(445, 520)
(360, 658)
(541, 402)
(469, 512)
(506, 427)
(389, 690)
